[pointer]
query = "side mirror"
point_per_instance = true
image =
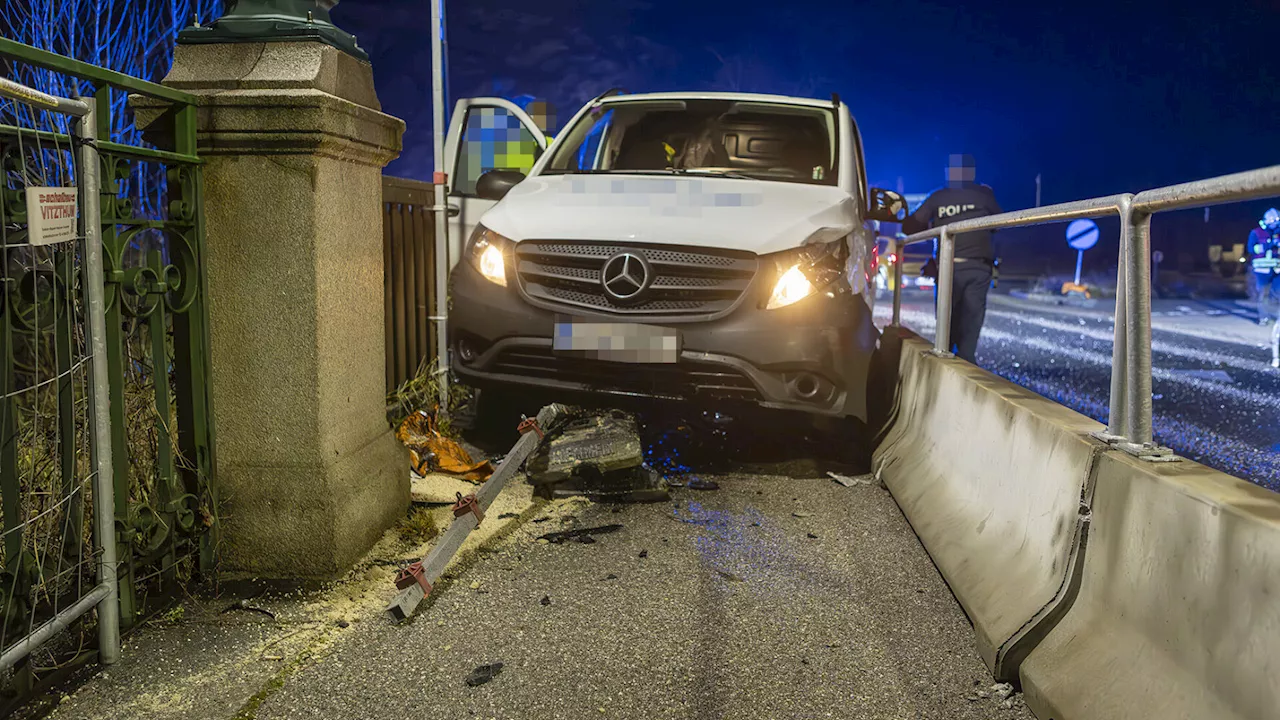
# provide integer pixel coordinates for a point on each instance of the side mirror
(495, 184)
(886, 206)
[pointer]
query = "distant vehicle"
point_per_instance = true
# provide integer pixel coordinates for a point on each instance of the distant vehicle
(912, 259)
(679, 246)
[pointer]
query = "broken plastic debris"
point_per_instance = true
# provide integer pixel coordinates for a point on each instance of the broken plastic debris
(561, 536)
(431, 452)
(243, 604)
(596, 454)
(850, 481)
(484, 674)
(702, 484)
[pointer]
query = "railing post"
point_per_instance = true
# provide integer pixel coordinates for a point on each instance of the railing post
(1137, 237)
(946, 272)
(1116, 418)
(104, 509)
(898, 247)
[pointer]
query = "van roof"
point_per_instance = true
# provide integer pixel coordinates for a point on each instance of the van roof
(745, 97)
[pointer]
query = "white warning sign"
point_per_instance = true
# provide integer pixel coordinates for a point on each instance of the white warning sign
(51, 215)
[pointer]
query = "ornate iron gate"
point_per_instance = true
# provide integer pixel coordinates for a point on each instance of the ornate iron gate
(155, 342)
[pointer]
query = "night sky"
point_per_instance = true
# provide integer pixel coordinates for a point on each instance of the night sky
(1097, 97)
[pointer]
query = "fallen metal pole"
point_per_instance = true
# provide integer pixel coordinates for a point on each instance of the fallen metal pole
(415, 582)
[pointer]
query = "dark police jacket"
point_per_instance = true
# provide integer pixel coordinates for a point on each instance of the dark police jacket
(950, 204)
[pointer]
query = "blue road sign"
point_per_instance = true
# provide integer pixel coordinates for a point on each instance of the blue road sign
(1082, 234)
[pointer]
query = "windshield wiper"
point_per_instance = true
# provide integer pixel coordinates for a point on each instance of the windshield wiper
(714, 172)
(653, 171)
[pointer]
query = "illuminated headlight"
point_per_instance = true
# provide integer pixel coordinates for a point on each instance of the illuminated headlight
(791, 288)
(487, 251)
(805, 272)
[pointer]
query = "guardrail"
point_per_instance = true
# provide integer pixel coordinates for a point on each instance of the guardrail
(1129, 419)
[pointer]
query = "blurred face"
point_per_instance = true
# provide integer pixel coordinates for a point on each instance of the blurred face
(543, 115)
(960, 170)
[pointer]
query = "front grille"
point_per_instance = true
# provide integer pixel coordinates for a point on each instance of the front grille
(686, 281)
(684, 379)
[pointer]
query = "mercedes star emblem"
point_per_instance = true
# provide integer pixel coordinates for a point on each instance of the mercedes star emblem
(624, 276)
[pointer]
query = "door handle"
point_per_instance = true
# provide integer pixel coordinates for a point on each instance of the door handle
(453, 210)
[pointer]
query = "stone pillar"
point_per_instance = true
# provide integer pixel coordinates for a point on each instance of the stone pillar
(294, 142)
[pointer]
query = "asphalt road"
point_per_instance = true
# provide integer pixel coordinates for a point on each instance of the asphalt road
(776, 596)
(1216, 397)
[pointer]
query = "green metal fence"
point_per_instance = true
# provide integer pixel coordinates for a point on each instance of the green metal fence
(161, 436)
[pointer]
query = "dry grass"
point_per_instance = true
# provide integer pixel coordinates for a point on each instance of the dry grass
(57, 539)
(418, 527)
(422, 392)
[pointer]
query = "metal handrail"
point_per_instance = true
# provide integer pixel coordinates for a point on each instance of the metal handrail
(1130, 404)
(29, 55)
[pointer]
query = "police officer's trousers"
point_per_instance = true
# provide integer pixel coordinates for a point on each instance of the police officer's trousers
(1267, 292)
(972, 280)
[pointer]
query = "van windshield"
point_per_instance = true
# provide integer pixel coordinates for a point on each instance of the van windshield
(752, 140)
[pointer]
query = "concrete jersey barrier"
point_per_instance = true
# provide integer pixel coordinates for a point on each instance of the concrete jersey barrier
(993, 479)
(1178, 614)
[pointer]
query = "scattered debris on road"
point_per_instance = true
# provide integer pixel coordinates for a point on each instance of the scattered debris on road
(578, 533)
(702, 484)
(596, 454)
(430, 451)
(852, 481)
(415, 581)
(244, 605)
(545, 601)
(484, 674)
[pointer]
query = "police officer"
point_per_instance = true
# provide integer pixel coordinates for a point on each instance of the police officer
(962, 199)
(1264, 255)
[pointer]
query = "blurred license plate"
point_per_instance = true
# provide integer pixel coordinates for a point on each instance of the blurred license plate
(618, 342)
